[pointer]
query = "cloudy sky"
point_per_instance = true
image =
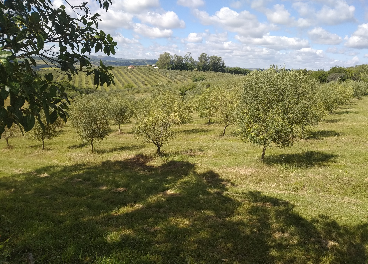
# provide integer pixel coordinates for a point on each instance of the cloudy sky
(312, 34)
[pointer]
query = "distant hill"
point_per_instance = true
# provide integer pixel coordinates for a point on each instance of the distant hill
(107, 60)
(112, 61)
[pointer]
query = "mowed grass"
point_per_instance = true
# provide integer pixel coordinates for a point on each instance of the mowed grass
(208, 199)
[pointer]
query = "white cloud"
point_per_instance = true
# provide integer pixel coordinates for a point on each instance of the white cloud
(275, 42)
(333, 12)
(341, 13)
(304, 23)
(304, 9)
(167, 20)
(123, 40)
(152, 32)
(220, 37)
(113, 20)
(136, 6)
(194, 38)
(244, 23)
(279, 15)
(353, 61)
(335, 50)
(359, 39)
(191, 3)
(321, 36)
(236, 4)
(259, 5)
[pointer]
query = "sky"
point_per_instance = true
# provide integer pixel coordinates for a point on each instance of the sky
(309, 34)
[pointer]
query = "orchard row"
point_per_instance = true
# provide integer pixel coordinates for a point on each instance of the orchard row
(271, 107)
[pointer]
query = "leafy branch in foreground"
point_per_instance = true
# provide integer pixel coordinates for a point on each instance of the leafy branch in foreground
(32, 31)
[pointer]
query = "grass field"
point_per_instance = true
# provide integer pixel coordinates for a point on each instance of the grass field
(208, 199)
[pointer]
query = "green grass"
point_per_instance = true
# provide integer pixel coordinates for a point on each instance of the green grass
(208, 199)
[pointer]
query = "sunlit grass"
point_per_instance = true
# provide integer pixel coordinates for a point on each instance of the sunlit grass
(207, 199)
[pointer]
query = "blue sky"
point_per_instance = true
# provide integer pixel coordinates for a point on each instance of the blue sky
(312, 34)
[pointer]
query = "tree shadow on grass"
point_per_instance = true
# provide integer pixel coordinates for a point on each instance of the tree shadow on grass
(194, 131)
(131, 212)
(115, 149)
(78, 146)
(321, 134)
(303, 160)
(332, 120)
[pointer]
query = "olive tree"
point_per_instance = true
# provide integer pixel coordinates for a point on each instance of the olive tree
(335, 94)
(121, 108)
(89, 116)
(44, 130)
(227, 97)
(277, 106)
(160, 113)
(8, 133)
(206, 104)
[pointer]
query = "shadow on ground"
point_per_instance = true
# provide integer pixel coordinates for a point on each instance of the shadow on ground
(321, 134)
(301, 160)
(130, 212)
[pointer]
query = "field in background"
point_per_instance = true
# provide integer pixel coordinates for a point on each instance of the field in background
(142, 78)
(208, 199)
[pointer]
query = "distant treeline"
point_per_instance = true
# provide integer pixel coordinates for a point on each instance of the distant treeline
(204, 63)
(337, 73)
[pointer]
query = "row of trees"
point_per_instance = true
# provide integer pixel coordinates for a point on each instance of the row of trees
(337, 73)
(187, 63)
(271, 107)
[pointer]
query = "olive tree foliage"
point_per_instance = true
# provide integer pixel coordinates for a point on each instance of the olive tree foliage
(218, 102)
(205, 102)
(45, 130)
(227, 96)
(8, 133)
(34, 32)
(89, 115)
(121, 108)
(277, 107)
(335, 94)
(160, 113)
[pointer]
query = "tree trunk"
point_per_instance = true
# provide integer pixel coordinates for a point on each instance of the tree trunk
(158, 152)
(263, 152)
(119, 129)
(7, 142)
(223, 132)
(43, 144)
(92, 145)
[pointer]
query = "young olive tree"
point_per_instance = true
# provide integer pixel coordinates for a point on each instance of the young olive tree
(13, 131)
(44, 130)
(335, 94)
(277, 106)
(161, 112)
(120, 108)
(206, 104)
(228, 102)
(90, 117)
